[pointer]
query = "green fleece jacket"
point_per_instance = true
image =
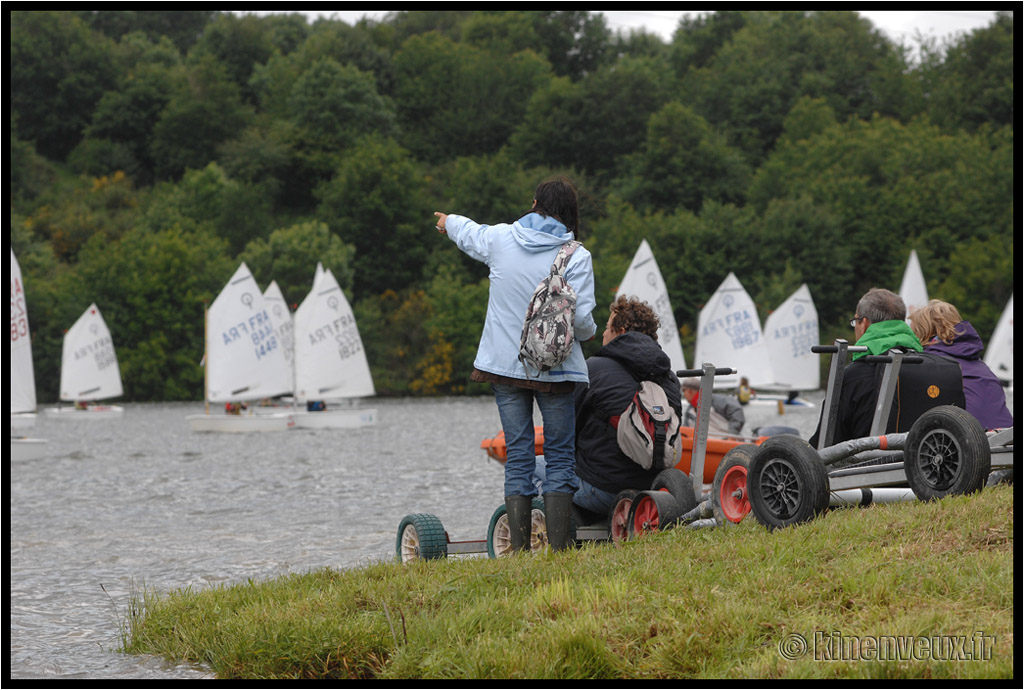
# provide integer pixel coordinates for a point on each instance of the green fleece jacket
(881, 337)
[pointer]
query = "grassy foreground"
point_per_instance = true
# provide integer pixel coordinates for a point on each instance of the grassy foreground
(913, 590)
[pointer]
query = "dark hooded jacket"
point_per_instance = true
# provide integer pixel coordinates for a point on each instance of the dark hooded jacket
(983, 392)
(615, 373)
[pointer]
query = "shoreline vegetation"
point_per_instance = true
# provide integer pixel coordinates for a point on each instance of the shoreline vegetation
(908, 590)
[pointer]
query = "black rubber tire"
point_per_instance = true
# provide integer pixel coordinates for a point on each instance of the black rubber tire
(734, 464)
(677, 483)
(618, 517)
(946, 453)
(653, 511)
(786, 482)
(421, 536)
(497, 530)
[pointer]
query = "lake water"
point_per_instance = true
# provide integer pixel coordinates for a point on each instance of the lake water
(143, 501)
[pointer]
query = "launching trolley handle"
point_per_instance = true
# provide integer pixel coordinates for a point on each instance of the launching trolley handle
(687, 373)
(830, 412)
(700, 441)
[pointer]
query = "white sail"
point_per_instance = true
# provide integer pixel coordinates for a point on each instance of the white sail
(89, 368)
(999, 351)
(281, 319)
(729, 335)
(23, 382)
(643, 280)
(912, 289)
(791, 331)
(244, 357)
(330, 362)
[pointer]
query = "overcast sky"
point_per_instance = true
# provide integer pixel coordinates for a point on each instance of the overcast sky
(898, 25)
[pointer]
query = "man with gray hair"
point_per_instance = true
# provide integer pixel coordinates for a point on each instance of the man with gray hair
(879, 324)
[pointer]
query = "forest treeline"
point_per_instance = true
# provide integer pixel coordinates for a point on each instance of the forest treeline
(151, 152)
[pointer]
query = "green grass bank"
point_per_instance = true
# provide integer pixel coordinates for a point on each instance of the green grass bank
(911, 590)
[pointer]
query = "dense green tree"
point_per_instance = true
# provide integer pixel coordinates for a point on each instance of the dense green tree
(588, 125)
(682, 163)
(120, 133)
(697, 39)
(972, 83)
(239, 43)
(392, 329)
(333, 106)
(151, 288)
(753, 80)
(456, 99)
(59, 70)
(894, 188)
(182, 27)
(290, 255)
(104, 206)
(376, 202)
(30, 173)
(205, 111)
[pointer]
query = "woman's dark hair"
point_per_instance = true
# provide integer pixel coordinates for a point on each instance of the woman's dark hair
(557, 199)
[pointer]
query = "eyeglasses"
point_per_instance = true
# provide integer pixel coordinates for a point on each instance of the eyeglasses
(854, 320)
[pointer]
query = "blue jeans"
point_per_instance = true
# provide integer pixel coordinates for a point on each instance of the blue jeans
(587, 496)
(558, 412)
(594, 499)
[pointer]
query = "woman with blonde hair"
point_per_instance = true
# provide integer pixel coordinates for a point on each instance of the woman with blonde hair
(940, 328)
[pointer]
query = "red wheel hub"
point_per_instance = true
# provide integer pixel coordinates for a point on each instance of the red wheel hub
(733, 494)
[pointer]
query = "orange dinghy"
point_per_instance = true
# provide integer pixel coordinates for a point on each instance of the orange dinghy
(713, 454)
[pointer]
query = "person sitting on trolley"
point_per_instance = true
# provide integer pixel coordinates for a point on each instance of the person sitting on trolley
(630, 354)
(879, 324)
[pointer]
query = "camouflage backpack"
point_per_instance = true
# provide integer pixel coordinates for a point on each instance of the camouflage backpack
(547, 335)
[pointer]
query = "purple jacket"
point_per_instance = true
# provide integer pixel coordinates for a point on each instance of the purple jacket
(983, 392)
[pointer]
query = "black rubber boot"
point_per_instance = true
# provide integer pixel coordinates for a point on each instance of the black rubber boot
(558, 515)
(519, 510)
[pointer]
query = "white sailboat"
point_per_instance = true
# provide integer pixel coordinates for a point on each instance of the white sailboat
(244, 359)
(999, 351)
(330, 363)
(791, 331)
(284, 330)
(729, 335)
(643, 280)
(89, 370)
(23, 383)
(912, 288)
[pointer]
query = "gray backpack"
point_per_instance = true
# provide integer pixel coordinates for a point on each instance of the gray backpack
(547, 336)
(648, 431)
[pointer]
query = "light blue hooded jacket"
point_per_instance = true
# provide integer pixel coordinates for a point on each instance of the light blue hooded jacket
(519, 256)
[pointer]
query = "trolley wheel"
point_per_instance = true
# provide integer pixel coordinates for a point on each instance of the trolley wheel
(653, 511)
(786, 482)
(421, 537)
(499, 543)
(677, 483)
(618, 516)
(947, 452)
(729, 499)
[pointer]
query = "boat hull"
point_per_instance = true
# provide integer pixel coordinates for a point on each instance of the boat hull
(336, 419)
(94, 413)
(28, 449)
(775, 400)
(23, 420)
(240, 424)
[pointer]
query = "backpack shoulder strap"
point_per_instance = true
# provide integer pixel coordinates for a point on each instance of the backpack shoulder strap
(562, 259)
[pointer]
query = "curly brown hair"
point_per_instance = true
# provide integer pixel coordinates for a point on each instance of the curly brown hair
(630, 314)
